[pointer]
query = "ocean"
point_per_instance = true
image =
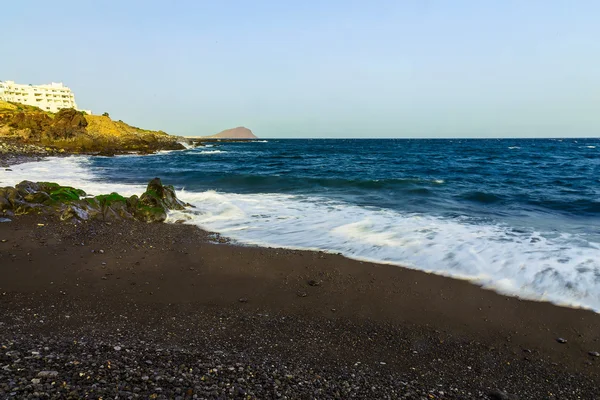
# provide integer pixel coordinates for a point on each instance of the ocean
(520, 216)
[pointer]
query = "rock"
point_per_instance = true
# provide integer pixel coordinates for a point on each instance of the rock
(5, 204)
(500, 395)
(9, 193)
(37, 197)
(67, 123)
(154, 203)
(594, 354)
(68, 203)
(47, 374)
(159, 195)
(313, 282)
(27, 187)
(243, 300)
(561, 340)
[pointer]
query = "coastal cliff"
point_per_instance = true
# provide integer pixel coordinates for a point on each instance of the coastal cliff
(76, 132)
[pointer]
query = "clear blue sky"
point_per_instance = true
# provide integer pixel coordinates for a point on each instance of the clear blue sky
(337, 68)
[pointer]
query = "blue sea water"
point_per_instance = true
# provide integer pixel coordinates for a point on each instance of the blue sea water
(521, 216)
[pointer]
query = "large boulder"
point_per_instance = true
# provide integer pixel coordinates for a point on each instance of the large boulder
(143, 211)
(159, 195)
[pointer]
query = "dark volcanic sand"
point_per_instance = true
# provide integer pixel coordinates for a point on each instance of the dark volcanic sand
(162, 312)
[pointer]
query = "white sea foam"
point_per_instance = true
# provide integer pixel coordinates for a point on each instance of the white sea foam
(71, 171)
(591, 147)
(261, 141)
(514, 147)
(561, 268)
(205, 152)
(186, 145)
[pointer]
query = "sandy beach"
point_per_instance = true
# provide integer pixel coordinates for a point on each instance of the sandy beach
(149, 298)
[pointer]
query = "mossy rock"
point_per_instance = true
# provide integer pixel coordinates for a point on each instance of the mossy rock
(48, 186)
(159, 195)
(109, 199)
(66, 194)
(150, 214)
(37, 197)
(60, 193)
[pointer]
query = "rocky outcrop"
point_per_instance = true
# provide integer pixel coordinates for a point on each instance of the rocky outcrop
(40, 126)
(76, 132)
(70, 203)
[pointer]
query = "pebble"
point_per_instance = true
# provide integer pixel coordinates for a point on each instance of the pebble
(561, 340)
(47, 374)
(594, 354)
(117, 348)
(243, 300)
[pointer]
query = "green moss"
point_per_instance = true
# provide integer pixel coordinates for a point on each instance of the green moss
(65, 194)
(148, 209)
(153, 193)
(108, 199)
(61, 193)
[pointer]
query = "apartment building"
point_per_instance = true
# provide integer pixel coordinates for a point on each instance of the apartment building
(50, 97)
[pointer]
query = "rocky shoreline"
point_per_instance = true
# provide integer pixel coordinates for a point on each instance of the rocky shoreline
(68, 203)
(13, 153)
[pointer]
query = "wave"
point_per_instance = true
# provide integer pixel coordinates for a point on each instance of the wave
(202, 152)
(186, 145)
(514, 147)
(278, 182)
(536, 264)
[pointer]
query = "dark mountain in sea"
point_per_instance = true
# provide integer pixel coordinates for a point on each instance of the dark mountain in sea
(235, 133)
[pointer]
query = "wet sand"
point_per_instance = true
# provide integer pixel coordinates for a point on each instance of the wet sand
(398, 331)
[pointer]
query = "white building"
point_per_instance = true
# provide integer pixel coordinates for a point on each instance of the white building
(50, 97)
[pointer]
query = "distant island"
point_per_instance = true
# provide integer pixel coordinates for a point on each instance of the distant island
(234, 133)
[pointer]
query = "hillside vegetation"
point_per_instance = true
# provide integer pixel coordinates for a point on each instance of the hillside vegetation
(77, 132)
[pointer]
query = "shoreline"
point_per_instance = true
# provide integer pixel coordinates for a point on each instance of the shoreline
(166, 276)
(24, 158)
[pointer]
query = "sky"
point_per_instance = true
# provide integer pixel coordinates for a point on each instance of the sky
(337, 68)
